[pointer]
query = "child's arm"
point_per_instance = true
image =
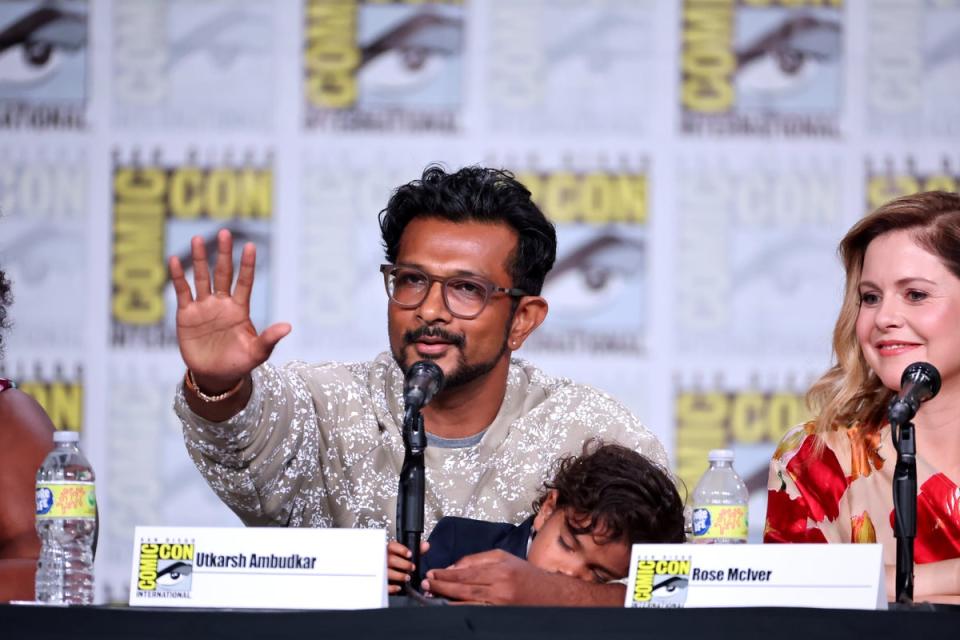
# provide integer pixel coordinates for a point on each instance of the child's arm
(399, 565)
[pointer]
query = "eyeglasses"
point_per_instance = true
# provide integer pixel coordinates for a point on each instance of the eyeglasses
(465, 296)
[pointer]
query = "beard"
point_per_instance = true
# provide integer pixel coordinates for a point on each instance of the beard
(464, 372)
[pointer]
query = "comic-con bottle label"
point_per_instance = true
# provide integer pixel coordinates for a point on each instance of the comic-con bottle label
(66, 500)
(720, 522)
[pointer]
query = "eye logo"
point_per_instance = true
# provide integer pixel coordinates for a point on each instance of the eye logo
(176, 576)
(661, 583)
(43, 64)
(165, 568)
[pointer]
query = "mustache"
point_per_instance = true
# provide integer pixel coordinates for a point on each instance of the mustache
(409, 337)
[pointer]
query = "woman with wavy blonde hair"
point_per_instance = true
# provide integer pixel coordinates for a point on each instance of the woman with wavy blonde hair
(831, 479)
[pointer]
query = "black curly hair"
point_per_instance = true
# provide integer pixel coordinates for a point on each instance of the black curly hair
(617, 493)
(6, 299)
(477, 194)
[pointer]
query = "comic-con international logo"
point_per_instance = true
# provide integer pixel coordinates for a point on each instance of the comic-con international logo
(43, 241)
(761, 67)
(197, 65)
(165, 569)
(374, 65)
(912, 65)
(598, 285)
(57, 387)
(661, 583)
(751, 421)
(549, 66)
(158, 206)
(43, 64)
(891, 179)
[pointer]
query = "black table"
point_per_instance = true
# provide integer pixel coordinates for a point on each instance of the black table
(60, 623)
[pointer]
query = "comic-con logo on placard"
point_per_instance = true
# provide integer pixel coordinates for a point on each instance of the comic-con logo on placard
(374, 65)
(661, 583)
(912, 67)
(889, 179)
(761, 67)
(598, 285)
(158, 206)
(193, 64)
(58, 388)
(165, 569)
(43, 64)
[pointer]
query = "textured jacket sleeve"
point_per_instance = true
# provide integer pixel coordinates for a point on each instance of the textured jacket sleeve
(257, 461)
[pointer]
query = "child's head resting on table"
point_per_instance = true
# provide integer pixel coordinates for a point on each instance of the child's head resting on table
(598, 505)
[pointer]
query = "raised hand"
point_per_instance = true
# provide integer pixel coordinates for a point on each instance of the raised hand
(217, 339)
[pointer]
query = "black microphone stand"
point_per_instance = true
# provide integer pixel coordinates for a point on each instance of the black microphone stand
(904, 506)
(410, 493)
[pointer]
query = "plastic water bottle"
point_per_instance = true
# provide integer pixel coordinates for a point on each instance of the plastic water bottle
(720, 503)
(66, 524)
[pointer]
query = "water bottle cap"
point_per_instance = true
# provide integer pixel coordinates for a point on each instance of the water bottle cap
(66, 436)
(720, 455)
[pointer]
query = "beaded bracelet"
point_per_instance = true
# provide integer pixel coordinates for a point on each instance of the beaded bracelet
(192, 385)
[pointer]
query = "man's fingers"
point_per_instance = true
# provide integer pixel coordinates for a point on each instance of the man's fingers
(481, 559)
(223, 271)
(201, 272)
(248, 266)
(458, 590)
(180, 286)
(267, 340)
(480, 575)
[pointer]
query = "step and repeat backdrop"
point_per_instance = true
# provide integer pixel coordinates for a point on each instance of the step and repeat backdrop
(700, 158)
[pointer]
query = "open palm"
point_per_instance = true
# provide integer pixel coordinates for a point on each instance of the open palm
(217, 339)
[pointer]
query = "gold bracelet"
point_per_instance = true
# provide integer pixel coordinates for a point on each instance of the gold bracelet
(192, 385)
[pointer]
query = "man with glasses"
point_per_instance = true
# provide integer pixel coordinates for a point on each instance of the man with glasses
(321, 445)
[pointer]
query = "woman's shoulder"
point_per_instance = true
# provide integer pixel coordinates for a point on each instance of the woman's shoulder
(795, 439)
(22, 416)
(849, 450)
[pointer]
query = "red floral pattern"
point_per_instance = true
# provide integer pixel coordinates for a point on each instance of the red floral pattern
(789, 523)
(808, 486)
(819, 478)
(938, 519)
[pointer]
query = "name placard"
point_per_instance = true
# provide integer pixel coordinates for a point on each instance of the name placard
(834, 576)
(259, 567)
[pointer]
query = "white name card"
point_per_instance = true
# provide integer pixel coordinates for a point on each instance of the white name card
(262, 568)
(834, 576)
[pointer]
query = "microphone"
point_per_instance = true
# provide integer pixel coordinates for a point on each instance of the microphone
(424, 380)
(919, 383)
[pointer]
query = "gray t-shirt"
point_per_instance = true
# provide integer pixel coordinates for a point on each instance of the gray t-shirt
(320, 445)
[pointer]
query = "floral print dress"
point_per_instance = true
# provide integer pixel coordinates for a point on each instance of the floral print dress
(837, 487)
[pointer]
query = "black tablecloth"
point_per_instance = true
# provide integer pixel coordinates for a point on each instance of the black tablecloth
(60, 623)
